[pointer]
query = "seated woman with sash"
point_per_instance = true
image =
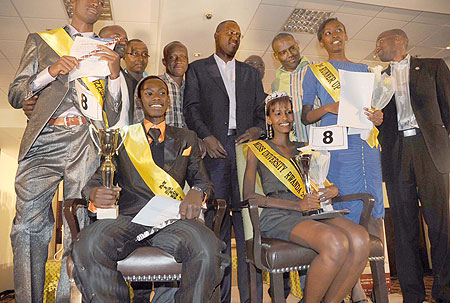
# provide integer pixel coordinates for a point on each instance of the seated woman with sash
(341, 244)
(358, 168)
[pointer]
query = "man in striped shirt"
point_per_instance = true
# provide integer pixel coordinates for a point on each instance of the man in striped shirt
(289, 77)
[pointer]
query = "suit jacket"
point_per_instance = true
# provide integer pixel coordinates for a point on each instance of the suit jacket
(430, 99)
(131, 84)
(135, 193)
(37, 56)
(206, 103)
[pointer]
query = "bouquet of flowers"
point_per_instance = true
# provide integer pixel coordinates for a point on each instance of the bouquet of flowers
(383, 89)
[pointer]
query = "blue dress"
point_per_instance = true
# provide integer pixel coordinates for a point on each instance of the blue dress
(356, 169)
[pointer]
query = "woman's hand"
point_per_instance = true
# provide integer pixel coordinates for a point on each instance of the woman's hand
(310, 202)
(260, 200)
(328, 192)
(374, 115)
(332, 107)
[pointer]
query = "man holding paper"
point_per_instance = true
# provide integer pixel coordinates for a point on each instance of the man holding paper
(56, 145)
(416, 162)
(154, 160)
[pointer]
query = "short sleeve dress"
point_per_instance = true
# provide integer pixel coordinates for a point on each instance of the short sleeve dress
(356, 169)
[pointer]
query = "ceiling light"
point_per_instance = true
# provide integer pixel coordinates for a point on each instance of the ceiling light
(448, 47)
(197, 54)
(106, 13)
(305, 20)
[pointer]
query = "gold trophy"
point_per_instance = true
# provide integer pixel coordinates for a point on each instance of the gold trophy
(303, 163)
(107, 143)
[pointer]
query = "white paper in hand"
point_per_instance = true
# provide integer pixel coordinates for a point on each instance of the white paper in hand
(356, 93)
(83, 49)
(157, 211)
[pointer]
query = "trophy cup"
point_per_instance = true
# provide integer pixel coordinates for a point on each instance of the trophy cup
(107, 143)
(303, 164)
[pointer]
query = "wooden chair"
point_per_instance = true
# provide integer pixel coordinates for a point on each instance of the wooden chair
(277, 256)
(145, 264)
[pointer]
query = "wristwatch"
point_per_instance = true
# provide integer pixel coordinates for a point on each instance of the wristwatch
(204, 195)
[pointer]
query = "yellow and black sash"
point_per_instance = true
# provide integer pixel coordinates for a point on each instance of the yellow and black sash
(328, 76)
(61, 42)
(279, 166)
(157, 179)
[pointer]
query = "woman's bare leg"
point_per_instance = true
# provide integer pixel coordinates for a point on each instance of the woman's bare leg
(358, 292)
(356, 260)
(332, 246)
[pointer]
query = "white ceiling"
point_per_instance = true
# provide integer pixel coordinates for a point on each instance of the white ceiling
(158, 22)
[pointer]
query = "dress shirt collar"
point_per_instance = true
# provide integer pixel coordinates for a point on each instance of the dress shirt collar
(221, 63)
(169, 79)
(303, 62)
(73, 31)
(404, 62)
(161, 126)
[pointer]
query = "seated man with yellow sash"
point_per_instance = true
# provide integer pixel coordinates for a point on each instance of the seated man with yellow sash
(342, 245)
(154, 160)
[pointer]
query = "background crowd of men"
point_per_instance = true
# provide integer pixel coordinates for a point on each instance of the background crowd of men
(219, 98)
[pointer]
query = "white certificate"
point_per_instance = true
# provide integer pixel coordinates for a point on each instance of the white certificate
(84, 49)
(356, 93)
(328, 137)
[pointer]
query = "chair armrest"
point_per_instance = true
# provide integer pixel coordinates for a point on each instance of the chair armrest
(220, 205)
(70, 213)
(257, 242)
(368, 202)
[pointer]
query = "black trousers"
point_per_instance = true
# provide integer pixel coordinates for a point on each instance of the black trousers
(99, 246)
(223, 174)
(418, 179)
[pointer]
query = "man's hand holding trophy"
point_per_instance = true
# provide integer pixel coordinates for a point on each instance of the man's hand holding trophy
(107, 143)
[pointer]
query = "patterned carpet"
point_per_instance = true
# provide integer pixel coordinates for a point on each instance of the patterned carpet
(395, 289)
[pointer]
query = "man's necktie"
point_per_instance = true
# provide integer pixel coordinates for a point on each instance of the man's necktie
(156, 147)
(154, 133)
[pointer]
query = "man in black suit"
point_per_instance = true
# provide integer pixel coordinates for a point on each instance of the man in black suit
(154, 159)
(416, 161)
(222, 105)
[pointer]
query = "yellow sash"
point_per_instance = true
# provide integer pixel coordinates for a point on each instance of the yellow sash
(278, 165)
(158, 180)
(328, 76)
(60, 41)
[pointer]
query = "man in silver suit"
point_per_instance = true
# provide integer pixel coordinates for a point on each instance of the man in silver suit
(56, 145)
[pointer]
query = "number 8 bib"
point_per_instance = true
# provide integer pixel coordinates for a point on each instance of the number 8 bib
(328, 137)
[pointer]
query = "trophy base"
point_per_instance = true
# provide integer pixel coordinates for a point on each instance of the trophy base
(312, 212)
(108, 213)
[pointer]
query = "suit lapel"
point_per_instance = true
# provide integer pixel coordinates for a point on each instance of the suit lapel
(172, 148)
(239, 82)
(414, 70)
(213, 70)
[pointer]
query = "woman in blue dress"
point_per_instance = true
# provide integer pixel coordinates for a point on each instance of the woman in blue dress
(358, 168)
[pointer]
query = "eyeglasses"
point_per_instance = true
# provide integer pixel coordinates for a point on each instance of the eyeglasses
(137, 54)
(381, 40)
(254, 63)
(233, 33)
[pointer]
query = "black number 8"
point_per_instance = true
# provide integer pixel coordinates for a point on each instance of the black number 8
(84, 102)
(327, 137)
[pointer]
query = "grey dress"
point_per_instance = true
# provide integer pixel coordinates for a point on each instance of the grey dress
(278, 223)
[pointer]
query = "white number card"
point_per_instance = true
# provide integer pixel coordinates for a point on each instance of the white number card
(328, 137)
(88, 104)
